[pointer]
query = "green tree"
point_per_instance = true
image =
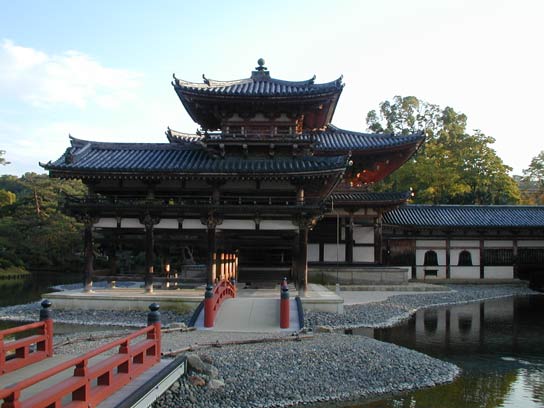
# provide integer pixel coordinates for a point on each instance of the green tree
(532, 182)
(33, 230)
(453, 166)
(6, 198)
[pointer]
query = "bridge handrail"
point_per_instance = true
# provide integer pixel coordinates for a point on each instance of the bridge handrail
(23, 357)
(152, 332)
(213, 300)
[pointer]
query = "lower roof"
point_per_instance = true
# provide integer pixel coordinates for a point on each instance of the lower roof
(466, 216)
(86, 157)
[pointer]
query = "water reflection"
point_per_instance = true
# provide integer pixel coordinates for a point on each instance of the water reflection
(499, 344)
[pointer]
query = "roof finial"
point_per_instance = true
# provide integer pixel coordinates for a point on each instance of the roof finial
(261, 66)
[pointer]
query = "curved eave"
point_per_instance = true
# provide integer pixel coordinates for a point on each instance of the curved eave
(172, 174)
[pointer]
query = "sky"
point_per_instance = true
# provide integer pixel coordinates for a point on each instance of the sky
(101, 70)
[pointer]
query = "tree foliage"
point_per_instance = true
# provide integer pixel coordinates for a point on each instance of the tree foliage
(3, 160)
(453, 166)
(532, 182)
(33, 231)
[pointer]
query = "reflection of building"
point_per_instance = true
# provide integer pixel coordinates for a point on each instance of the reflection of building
(269, 184)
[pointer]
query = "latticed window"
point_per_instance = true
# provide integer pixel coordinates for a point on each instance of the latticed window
(498, 256)
(431, 259)
(465, 258)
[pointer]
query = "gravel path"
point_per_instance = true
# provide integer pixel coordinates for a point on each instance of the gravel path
(327, 367)
(400, 307)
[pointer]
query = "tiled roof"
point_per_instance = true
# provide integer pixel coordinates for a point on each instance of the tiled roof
(466, 216)
(335, 139)
(332, 139)
(368, 196)
(99, 157)
(260, 84)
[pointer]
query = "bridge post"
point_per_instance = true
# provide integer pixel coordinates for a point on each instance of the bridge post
(209, 316)
(154, 319)
(45, 316)
(284, 307)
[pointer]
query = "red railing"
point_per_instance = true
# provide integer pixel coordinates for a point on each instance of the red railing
(92, 381)
(213, 299)
(18, 353)
(20, 350)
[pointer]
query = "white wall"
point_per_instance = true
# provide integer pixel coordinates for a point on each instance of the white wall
(313, 252)
(464, 272)
(474, 254)
(363, 235)
(363, 254)
(329, 253)
(499, 272)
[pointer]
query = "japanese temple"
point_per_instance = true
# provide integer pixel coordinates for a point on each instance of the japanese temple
(271, 185)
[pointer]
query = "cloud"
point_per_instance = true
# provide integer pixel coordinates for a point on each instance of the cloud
(71, 78)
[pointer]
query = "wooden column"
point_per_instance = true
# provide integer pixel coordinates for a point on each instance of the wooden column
(149, 223)
(448, 258)
(295, 259)
(88, 270)
(515, 267)
(349, 239)
(211, 222)
(482, 266)
(302, 262)
(378, 237)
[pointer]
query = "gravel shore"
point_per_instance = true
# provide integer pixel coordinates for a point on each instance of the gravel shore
(321, 368)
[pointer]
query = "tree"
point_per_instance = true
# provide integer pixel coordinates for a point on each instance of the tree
(33, 230)
(532, 182)
(452, 167)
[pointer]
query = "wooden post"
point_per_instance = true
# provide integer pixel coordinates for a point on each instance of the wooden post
(515, 267)
(448, 258)
(149, 223)
(211, 254)
(303, 258)
(349, 240)
(88, 254)
(482, 266)
(378, 237)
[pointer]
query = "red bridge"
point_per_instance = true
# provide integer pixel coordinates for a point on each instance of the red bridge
(31, 377)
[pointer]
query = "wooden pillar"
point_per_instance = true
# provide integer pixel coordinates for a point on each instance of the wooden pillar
(295, 259)
(378, 237)
(149, 255)
(349, 240)
(482, 266)
(89, 255)
(211, 222)
(448, 258)
(236, 267)
(302, 263)
(300, 195)
(516, 261)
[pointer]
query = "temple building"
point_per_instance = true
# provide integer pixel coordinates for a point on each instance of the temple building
(269, 184)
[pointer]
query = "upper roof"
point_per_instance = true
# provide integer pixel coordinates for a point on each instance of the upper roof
(212, 102)
(369, 197)
(87, 157)
(466, 216)
(258, 85)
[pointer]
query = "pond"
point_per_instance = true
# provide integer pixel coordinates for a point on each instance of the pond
(499, 344)
(21, 291)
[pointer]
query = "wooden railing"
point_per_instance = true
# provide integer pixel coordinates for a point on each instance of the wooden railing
(18, 353)
(213, 298)
(93, 381)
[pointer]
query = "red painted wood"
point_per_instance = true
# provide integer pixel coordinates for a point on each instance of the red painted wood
(21, 347)
(223, 290)
(284, 313)
(96, 381)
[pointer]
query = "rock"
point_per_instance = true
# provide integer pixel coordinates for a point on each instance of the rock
(210, 370)
(215, 384)
(195, 363)
(196, 380)
(206, 358)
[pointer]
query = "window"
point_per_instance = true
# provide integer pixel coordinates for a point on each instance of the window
(465, 258)
(431, 259)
